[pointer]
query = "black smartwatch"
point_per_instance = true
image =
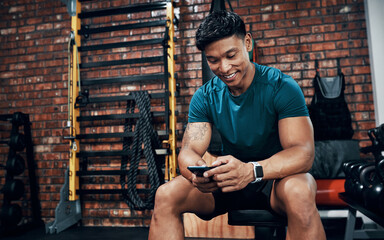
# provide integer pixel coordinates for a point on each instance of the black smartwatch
(257, 171)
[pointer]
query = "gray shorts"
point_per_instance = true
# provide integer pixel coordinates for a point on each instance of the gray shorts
(253, 196)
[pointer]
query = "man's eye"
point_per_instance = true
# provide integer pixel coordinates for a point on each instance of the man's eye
(232, 56)
(212, 60)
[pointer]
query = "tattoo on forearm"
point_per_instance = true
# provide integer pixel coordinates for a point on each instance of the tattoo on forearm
(194, 132)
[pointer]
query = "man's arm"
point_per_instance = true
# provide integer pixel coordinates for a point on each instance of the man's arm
(296, 138)
(196, 139)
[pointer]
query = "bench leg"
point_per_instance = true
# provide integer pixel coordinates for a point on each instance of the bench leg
(280, 233)
(350, 226)
(268, 233)
(264, 233)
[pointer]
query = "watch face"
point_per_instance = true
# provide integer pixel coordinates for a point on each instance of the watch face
(259, 171)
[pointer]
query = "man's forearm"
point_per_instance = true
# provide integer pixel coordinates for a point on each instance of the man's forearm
(297, 159)
(188, 157)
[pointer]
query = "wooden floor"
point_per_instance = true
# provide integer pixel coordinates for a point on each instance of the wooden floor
(334, 232)
(86, 233)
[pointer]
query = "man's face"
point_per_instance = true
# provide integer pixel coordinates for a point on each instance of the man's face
(229, 60)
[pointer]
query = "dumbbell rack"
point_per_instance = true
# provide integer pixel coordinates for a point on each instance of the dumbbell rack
(11, 212)
(376, 136)
(92, 110)
(350, 232)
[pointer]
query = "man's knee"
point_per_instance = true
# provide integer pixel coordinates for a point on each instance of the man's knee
(297, 194)
(296, 187)
(171, 194)
(165, 192)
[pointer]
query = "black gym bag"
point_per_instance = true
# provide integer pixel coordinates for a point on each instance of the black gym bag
(328, 111)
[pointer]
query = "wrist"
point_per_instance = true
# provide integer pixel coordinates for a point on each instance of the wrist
(251, 173)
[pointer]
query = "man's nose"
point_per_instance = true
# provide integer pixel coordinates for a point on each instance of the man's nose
(224, 66)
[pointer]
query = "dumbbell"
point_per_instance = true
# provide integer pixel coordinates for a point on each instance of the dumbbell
(15, 165)
(347, 165)
(18, 119)
(380, 169)
(373, 190)
(358, 186)
(350, 176)
(11, 214)
(17, 141)
(13, 189)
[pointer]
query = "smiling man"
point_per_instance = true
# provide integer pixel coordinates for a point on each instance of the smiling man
(267, 141)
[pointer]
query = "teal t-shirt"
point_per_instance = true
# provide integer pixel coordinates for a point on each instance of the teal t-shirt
(248, 123)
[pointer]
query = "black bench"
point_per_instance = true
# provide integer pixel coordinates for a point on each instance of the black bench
(268, 225)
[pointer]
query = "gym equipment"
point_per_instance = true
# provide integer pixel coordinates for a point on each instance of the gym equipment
(328, 110)
(364, 189)
(11, 215)
(17, 141)
(15, 165)
(376, 135)
(266, 223)
(372, 195)
(328, 192)
(14, 189)
(83, 99)
(67, 213)
(147, 136)
(83, 149)
(351, 177)
(331, 155)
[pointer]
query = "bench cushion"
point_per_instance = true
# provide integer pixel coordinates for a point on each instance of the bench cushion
(255, 217)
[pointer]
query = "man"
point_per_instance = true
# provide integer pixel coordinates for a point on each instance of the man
(264, 125)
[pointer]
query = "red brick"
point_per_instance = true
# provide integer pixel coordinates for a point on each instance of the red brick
(26, 29)
(275, 33)
(308, 4)
(311, 38)
(337, 54)
(17, 9)
(310, 21)
(248, 3)
(272, 16)
(323, 46)
(361, 70)
(297, 14)
(8, 31)
(288, 58)
(285, 24)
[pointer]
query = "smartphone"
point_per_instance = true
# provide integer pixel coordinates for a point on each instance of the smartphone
(199, 170)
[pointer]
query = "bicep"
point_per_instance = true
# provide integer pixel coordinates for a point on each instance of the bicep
(197, 137)
(296, 131)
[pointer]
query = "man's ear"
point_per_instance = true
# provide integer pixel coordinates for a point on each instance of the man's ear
(248, 42)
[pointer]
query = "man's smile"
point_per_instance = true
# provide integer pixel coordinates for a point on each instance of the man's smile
(230, 75)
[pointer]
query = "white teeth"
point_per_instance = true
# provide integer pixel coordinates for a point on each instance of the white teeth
(229, 76)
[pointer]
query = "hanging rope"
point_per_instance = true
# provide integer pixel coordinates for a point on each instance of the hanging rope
(145, 141)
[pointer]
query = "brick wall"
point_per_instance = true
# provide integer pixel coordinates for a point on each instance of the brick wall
(290, 35)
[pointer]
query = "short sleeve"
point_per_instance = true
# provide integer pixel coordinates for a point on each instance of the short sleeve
(289, 99)
(198, 110)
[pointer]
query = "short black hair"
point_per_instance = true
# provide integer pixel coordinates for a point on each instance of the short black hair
(219, 25)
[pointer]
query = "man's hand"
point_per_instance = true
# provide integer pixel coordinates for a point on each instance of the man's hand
(204, 184)
(230, 174)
